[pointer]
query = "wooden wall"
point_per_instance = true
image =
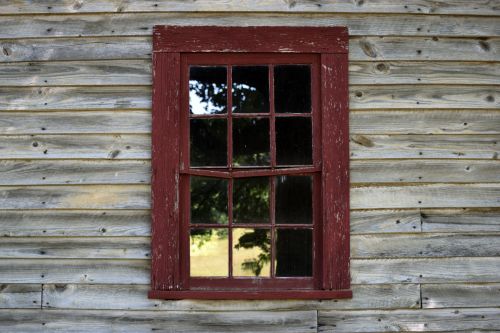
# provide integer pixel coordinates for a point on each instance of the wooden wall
(75, 97)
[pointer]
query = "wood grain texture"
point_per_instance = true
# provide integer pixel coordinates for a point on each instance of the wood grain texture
(460, 295)
(385, 221)
(425, 146)
(141, 24)
(363, 271)
(71, 223)
(76, 197)
(368, 48)
(64, 122)
(461, 220)
(138, 196)
(74, 247)
(80, 296)
(472, 320)
(419, 97)
(139, 97)
(440, 7)
(127, 146)
(436, 270)
(426, 196)
(148, 321)
(79, 98)
(57, 271)
(58, 172)
(362, 246)
(425, 246)
(20, 296)
(84, 172)
(138, 72)
(425, 171)
(455, 121)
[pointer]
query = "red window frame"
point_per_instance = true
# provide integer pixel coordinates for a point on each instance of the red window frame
(326, 49)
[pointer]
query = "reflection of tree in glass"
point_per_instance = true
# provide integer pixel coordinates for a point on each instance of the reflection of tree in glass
(251, 142)
(251, 200)
(208, 141)
(202, 236)
(256, 238)
(208, 200)
(207, 90)
(250, 89)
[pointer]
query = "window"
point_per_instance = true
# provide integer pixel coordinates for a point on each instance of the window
(250, 188)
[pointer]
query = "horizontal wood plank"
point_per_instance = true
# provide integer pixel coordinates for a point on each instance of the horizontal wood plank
(460, 295)
(435, 270)
(360, 49)
(457, 121)
(76, 197)
(445, 320)
(461, 220)
(85, 247)
(361, 97)
(67, 223)
(441, 7)
(362, 246)
(424, 171)
(424, 146)
(385, 221)
(138, 72)
(20, 296)
(79, 98)
(148, 321)
(138, 196)
(424, 245)
(85, 172)
(141, 24)
(88, 122)
(92, 146)
(59, 172)
(80, 296)
(363, 271)
(426, 196)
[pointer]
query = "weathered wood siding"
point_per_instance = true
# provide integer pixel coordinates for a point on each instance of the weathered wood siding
(75, 125)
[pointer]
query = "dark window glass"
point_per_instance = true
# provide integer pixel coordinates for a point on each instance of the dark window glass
(250, 89)
(208, 200)
(293, 141)
(292, 88)
(207, 90)
(208, 252)
(208, 141)
(251, 252)
(294, 199)
(251, 142)
(251, 200)
(293, 252)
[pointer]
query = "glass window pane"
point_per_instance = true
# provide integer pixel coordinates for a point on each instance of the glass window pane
(207, 90)
(292, 88)
(208, 252)
(251, 142)
(294, 199)
(293, 252)
(208, 141)
(251, 252)
(293, 141)
(251, 200)
(208, 200)
(250, 89)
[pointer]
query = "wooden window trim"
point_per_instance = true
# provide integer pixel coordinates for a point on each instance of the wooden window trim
(330, 44)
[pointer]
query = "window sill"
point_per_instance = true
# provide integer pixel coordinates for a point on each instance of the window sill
(249, 295)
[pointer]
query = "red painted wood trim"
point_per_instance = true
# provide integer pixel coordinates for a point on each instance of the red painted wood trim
(335, 146)
(165, 274)
(249, 295)
(250, 39)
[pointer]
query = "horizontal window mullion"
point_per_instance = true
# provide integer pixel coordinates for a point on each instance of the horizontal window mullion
(235, 173)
